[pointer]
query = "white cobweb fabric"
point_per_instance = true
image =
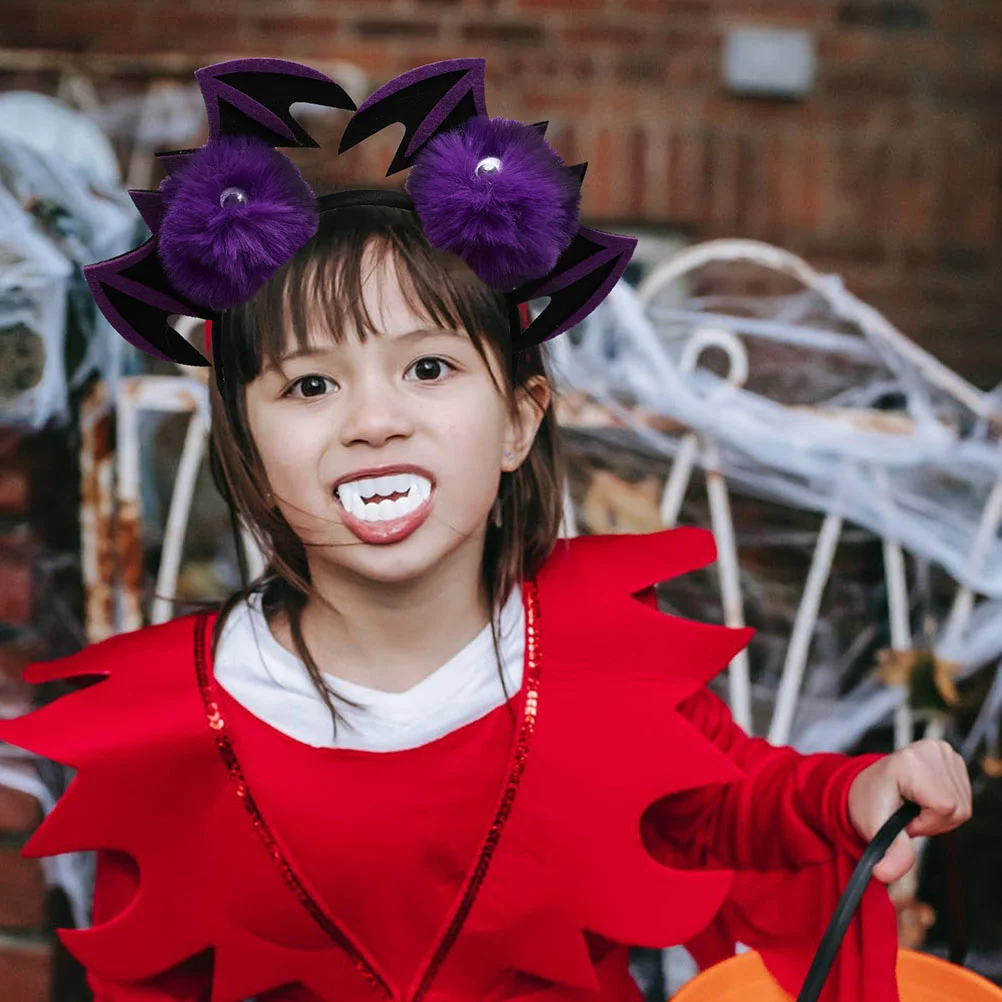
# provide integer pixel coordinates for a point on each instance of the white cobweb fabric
(827, 408)
(857, 422)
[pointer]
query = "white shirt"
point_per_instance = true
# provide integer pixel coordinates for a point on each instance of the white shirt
(272, 683)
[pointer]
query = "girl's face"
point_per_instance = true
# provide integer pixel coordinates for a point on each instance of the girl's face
(385, 456)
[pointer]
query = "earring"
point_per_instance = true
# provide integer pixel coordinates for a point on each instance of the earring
(509, 455)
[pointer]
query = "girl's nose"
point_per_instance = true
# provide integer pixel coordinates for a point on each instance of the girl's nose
(375, 414)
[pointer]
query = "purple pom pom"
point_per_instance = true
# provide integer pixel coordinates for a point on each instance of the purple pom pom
(235, 213)
(495, 193)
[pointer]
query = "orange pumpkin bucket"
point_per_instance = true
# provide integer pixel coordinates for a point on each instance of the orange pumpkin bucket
(921, 977)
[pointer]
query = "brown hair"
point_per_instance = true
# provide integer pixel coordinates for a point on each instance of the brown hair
(327, 272)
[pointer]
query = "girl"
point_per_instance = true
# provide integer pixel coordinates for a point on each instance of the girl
(434, 753)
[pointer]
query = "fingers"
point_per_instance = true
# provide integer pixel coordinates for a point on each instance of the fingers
(935, 777)
(897, 861)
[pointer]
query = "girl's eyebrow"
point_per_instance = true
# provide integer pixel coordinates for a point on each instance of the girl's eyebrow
(414, 335)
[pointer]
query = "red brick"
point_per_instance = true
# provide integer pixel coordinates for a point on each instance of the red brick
(25, 972)
(15, 591)
(901, 15)
(655, 195)
(721, 175)
(815, 162)
(767, 212)
(13, 490)
(988, 56)
(966, 90)
(11, 439)
(574, 6)
(542, 104)
(563, 138)
(692, 66)
(99, 26)
(547, 66)
(294, 31)
(617, 141)
(699, 10)
(789, 13)
(687, 181)
(588, 32)
(914, 195)
(396, 27)
(764, 207)
(371, 57)
(179, 29)
(19, 812)
(22, 891)
(859, 193)
(504, 33)
(847, 47)
(639, 67)
(22, 26)
(637, 171)
(969, 197)
(598, 193)
(970, 17)
(14, 658)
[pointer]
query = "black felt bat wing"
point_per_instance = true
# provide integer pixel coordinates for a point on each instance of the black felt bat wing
(427, 100)
(580, 280)
(243, 97)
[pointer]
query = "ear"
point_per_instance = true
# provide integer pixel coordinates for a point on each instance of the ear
(531, 401)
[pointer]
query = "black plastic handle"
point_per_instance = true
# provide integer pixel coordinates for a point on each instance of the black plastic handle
(851, 897)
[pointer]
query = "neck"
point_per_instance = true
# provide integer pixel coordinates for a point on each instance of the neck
(391, 635)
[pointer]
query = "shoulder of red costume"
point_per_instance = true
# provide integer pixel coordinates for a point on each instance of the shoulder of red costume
(145, 684)
(598, 610)
(148, 650)
(150, 784)
(631, 562)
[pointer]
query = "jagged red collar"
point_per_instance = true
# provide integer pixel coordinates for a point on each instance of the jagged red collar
(601, 740)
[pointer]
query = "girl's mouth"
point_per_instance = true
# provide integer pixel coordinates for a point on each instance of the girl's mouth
(385, 509)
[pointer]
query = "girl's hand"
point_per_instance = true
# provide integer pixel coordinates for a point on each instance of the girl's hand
(928, 773)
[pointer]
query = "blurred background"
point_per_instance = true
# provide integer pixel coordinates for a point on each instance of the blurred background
(805, 355)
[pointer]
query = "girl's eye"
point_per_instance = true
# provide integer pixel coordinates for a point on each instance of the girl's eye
(309, 386)
(430, 367)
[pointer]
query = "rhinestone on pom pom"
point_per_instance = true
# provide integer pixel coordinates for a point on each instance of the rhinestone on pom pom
(232, 197)
(488, 166)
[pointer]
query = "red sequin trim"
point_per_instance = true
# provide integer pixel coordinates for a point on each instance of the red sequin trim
(218, 725)
(514, 779)
(476, 878)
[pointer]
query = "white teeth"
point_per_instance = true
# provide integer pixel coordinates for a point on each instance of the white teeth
(354, 493)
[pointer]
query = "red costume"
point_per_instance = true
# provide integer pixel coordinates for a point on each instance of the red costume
(612, 802)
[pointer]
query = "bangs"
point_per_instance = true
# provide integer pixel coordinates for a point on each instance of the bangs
(319, 292)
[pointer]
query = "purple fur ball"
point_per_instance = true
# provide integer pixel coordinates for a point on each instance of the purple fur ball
(219, 251)
(510, 222)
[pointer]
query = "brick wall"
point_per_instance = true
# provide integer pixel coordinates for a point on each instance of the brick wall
(24, 948)
(39, 601)
(889, 174)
